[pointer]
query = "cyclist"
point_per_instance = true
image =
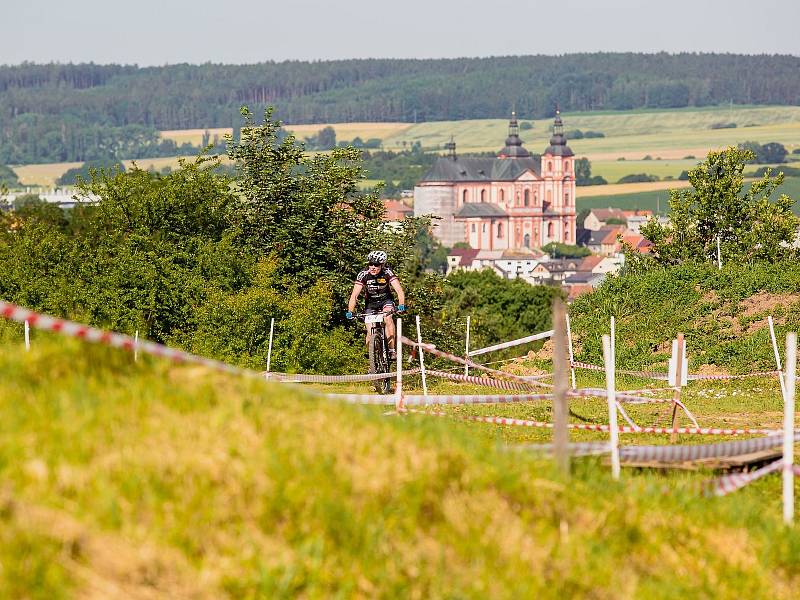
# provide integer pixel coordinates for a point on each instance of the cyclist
(377, 281)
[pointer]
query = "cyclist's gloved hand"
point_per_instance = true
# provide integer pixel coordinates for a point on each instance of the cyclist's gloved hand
(349, 314)
(401, 308)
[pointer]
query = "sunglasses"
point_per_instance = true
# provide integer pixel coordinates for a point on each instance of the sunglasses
(374, 264)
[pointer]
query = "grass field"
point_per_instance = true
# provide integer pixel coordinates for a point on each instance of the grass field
(619, 196)
(125, 479)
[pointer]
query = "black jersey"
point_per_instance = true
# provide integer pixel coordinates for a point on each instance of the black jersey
(376, 287)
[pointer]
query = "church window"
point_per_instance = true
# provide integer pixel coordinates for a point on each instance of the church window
(549, 197)
(566, 232)
(527, 197)
(549, 230)
(566, 165)
(464, 196)
(483, 195)
(484, 228)
(549, 165)
(499, 230)
(473, 228)
(527, 240)
(502, 196)
(566, 198)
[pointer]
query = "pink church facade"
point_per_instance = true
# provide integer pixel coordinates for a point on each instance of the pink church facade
(515, 200)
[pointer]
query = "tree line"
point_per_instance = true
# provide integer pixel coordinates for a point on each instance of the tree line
(44, 107)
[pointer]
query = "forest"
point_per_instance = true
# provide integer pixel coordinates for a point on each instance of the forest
(78, 112)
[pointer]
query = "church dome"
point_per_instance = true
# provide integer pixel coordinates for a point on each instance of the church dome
(513, 147)
(558, 142)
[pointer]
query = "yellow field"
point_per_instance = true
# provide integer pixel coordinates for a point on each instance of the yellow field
(43, 174)
(628, 188)
(344, 131)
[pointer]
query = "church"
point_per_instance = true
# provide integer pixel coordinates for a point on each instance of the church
(514, 200)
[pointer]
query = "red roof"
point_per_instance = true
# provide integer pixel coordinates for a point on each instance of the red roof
(466, 255)
(396, 210)
(590, 262)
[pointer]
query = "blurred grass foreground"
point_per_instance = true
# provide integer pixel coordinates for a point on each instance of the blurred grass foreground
(151, 480)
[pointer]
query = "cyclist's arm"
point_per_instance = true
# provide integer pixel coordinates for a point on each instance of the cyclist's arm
(401, 295)
(357, 287)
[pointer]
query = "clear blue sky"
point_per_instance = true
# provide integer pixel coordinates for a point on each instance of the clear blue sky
(149, 32)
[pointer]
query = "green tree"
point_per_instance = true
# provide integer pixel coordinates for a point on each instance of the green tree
(559, 250)
(8, 177)
(749, 226)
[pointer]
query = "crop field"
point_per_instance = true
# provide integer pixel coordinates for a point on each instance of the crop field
(647, 196)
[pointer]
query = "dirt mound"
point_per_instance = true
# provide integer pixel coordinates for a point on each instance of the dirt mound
(765, 302)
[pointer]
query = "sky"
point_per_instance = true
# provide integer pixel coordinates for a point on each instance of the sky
(150, 32)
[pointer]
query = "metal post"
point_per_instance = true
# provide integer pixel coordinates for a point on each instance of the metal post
(610, 365)
(398, 401)
(571, 357)
(560, 386)
(27, 335)
(777, 355)
(269, 348)
(466, 349)
(719, 255)
(788, 428)
(421, 359)
(136, 346)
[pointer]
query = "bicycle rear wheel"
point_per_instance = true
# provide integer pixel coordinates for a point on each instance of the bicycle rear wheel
(379, 362)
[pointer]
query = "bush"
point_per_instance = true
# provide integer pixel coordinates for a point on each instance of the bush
(723, 126)
(638, 178)
(525, 125)
(8, 177)
(84, 172)
(769, 153)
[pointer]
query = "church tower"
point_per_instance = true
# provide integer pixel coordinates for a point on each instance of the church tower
(558, 171)
(513, 147)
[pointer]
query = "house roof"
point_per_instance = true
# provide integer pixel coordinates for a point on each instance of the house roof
(480, 209)
(583, 277)
(604, 235)
(396, 210)
(481, 169)
(590, 262)
(466, 255)
(561, 265)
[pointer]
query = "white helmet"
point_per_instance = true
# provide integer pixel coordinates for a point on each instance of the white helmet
(377, 257)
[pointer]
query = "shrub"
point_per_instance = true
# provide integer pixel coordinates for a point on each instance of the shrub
(638, 178)
(723, 126)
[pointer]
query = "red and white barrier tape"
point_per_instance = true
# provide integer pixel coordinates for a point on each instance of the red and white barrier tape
(302, 378)
(434, 350)
(517, 342)
(485, 381)
(664, 377)
(603, 428)
(438, 399)
(113, 339)
(736, 481)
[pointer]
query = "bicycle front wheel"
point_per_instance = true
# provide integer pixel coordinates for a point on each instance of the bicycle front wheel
(379, 362)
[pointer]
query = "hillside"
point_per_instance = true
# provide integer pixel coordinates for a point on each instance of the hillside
(160, 481)
(62, 113)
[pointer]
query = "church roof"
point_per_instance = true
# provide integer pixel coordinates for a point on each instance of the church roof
(513, 147)
(481, 169)
(480, 209)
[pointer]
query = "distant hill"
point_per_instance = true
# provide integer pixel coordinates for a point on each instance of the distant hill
(55, 111)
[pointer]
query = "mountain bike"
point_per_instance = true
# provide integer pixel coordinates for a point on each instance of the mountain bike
(378, 349)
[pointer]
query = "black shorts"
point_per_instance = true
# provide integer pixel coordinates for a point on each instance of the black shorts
(378, 306)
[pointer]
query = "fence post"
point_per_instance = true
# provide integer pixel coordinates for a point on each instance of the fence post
(466, 349)
(676, 394)
(777, 355)
(136, 346)
(560, 385)
(398, 336)
(788, 428)
(571, 357)
(421, 359)
(610, 364)
(27, 335)
(269, 348)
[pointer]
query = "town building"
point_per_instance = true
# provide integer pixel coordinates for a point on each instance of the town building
(511, 201)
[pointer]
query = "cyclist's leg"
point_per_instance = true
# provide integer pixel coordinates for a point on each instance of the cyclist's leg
(368, 310)
(388, 307)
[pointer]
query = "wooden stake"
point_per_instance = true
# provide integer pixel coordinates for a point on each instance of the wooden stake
(136, 346)
(421, 359)
(676, 394)
(27, 335)
(610, 363)
(788, 428)
(560, 386)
